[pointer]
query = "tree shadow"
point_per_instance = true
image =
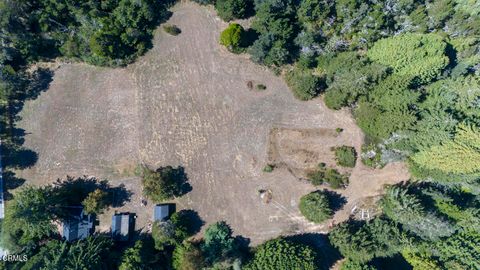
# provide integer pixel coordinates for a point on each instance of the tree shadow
(17, 157)
(192, 220)
(328, 254)
(336, 200)
(249, 37)
(10, 181)
(74, 190)
(178, 176)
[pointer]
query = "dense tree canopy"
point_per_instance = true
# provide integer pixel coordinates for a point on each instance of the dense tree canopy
(281, 254)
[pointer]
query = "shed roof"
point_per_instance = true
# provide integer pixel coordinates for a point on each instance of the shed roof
(161, 212)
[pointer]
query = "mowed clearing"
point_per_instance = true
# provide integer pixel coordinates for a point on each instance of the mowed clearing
(186, 102)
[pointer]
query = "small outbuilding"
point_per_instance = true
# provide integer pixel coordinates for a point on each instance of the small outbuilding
(161, 212)
(122, 225)
(77, 225)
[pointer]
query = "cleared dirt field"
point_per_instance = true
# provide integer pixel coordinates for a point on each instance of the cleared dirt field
(186, 102)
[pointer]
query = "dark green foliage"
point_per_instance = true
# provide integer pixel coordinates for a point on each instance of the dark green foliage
(407, 209)
(163, 233)
(316, 206)
(327, 175)
(163, 184)
(362, 242)
(107, 34)
(275, 22)
(303, 84)
(219, 243)
(261, 87)
(232, 9)
(353, 265)
(280, 254)
(172, 29)
(188, 256)
(345, 156)
(137, 257)
(90, 253)
(233, 38)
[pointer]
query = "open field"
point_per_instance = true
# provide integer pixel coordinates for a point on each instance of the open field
(186, 102)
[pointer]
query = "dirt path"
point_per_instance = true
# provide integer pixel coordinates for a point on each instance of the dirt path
(186, 103)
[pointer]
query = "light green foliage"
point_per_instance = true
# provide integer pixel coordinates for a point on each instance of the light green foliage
(460, 155)
(280, 254)
(303, 84)
(412, 55)
(420, 261)
(232, 9)
(95, 202)
(187, 256)
(316, 206)
(218, 243)
(232, 37)
(345, 156)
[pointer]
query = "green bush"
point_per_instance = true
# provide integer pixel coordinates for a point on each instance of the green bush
(372, 156)
(327, 175)
(345, 156)
(268, 168)
(316, 206)
(232, 38)
(281, 254)
(261, 87)
(304, 84)
(172, 29)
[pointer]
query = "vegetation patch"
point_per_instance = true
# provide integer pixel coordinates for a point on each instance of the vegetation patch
(316, 206)
(323, 174)
(172, 29)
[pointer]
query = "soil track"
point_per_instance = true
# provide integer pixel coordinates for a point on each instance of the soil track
(186, 102)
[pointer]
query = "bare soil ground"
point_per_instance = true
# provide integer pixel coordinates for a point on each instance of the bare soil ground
(186, 102)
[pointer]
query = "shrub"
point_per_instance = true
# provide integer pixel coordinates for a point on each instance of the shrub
(232, 37)
(95, 202)
(335, 100)
(261, 87)
(204, 2)
(372, 156)
(172, 29)
(316, 206)
(268, 168)
(329, 175)
(345, 156)
(280, 254)
(303, 84)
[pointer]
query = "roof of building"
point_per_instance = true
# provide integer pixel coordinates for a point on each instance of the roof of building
(161, 212)
(121, 225)
(78, 225)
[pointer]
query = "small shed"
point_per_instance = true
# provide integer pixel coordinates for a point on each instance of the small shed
(77, 225)
(161, 212)
(122, 225)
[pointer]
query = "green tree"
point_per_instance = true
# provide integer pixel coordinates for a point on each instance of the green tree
(316, 206)
(303, 84)
(460, 155)
(232, 9)
(163, 233)
(136, 257)
(412, 55)
(281, 254)
(219, 243)
(188, 256)
(232, 38)
(163, 184)
(95, 202)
